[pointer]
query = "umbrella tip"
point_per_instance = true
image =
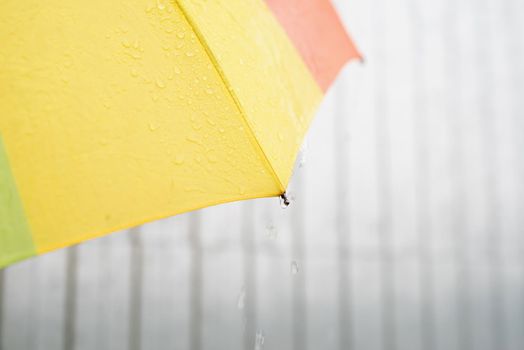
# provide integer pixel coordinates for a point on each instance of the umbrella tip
(284, 200)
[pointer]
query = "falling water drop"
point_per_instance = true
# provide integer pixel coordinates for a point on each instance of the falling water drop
(294, 267)
(271, 231)
(284, 201)
(259, 340)
(241, 301)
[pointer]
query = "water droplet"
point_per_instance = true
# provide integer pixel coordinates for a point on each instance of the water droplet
(209, 91)
(135, 55)
(281, 136)
(181, 35)
(271, 231)
(160, 83)
(126, 43)
(211, 157)
(294, 267)
(160, 4)
(179, 159)
(284, 201)
(196, 125)
(169, 29)
(241, 300)
(134, 72)
(190, 54)
(177, 70)
(152, 126)
(193, 140)
(259, 340)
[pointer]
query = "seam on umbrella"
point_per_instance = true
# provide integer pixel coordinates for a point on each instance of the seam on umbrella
(230, 90)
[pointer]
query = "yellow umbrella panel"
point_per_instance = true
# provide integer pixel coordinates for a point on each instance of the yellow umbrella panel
(116, 113)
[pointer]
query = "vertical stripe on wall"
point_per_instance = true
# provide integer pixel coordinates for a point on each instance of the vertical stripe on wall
(2, 289)
(343, 231)
(298, 301)
(457, 158)
(422, 182)
(250, 275)
(196, 283)
(487, 114)
(136, 288)
(70, 306)
(383, 171)
(513, 35)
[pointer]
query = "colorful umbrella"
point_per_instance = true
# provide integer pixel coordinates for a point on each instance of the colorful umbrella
(116, 113)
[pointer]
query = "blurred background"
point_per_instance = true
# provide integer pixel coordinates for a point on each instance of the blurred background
(406, 231)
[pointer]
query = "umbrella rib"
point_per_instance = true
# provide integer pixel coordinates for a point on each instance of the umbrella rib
(229, 88)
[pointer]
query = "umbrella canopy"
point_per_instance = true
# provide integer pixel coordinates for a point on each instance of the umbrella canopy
(116, 113)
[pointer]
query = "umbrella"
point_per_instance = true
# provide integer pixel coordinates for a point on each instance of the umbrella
(117, 113)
